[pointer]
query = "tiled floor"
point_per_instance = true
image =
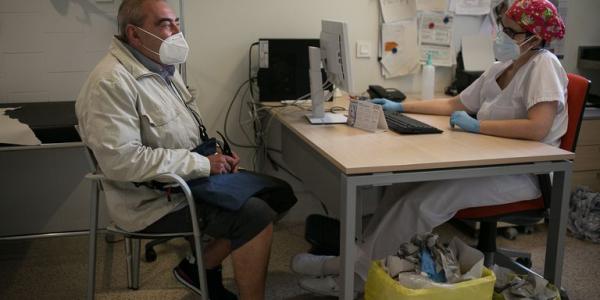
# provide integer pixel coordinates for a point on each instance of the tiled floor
(55, 268)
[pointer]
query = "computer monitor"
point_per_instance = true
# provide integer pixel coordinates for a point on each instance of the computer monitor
(334, 55)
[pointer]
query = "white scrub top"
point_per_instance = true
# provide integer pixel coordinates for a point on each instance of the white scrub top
(541, 79)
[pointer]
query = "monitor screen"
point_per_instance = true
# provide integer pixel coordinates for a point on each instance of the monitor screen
(335, 54)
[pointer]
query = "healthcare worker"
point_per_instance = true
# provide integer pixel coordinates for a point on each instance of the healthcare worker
(523, 96)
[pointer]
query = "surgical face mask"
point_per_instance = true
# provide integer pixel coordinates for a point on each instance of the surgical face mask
(173, 50)
(505, 48)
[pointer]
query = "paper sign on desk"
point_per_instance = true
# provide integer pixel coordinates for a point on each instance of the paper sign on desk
(366, 115)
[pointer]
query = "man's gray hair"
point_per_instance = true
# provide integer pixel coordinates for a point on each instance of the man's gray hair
(130, 12)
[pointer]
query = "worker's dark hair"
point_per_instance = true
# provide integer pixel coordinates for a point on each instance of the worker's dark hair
(130, 12)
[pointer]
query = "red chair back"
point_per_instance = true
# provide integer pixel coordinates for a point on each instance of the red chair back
(577, 91)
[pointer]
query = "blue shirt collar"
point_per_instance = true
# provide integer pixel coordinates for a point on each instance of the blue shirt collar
(165, 71)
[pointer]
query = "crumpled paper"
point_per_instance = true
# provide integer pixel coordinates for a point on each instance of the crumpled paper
(512, 286)
(456, 262)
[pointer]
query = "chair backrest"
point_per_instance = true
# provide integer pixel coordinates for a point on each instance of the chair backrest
(577, 91)
(91, 159)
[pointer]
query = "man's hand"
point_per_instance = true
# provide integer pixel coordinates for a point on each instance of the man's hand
(219, 164)
(235, 164)
(223, 164)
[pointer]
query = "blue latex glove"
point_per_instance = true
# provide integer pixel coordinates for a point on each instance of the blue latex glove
(388, 104)
(428, 266)
(464, 121)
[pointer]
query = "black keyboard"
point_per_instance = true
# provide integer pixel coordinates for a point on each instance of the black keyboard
(407, 125)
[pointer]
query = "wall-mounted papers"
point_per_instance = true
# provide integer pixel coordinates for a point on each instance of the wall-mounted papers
(432, 5)
(435, 38)
(396, 10)
(400, 49)
(478, 54)
(471, 7)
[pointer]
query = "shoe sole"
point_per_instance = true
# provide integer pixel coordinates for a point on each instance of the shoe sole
(319, 292)
(186, 283)
(355, 294)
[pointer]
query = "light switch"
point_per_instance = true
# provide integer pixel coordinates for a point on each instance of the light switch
(363, 49)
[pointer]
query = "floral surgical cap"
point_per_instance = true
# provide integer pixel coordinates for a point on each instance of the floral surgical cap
(539, 17)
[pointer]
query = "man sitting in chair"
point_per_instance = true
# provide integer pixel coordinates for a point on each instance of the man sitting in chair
(139, 119)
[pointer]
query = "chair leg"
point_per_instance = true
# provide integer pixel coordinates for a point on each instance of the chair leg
(132, 257)
(92, 240)
(486, 242)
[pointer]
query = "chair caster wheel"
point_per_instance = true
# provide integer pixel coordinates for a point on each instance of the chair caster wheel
(525, 261)
(529, 229)
(150, 255)
(510, 233)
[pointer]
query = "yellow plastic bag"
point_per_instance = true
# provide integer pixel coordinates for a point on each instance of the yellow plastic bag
(380, 286)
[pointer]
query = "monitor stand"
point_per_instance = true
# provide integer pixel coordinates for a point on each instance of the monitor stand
(318, 114)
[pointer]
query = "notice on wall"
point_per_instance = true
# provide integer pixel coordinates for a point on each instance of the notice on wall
(471, 7)
(400, 55)
(435, 38)
(396, 10)
(432, 5)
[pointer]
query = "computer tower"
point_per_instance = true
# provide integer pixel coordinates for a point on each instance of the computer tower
(283, 68)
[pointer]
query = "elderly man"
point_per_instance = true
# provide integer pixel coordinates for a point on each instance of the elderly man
(140, 120)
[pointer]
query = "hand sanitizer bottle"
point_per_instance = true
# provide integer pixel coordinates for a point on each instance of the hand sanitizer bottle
(427, 80)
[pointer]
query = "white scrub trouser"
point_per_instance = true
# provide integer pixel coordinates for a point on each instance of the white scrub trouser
(408, 209)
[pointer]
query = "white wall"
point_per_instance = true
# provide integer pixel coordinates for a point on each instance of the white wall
(47, 47)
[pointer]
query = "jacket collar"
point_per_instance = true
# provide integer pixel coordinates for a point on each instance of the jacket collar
(138, 65)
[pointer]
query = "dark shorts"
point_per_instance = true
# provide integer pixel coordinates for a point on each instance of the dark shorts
(237, 226)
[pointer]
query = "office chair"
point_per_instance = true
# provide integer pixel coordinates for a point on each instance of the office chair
(527, 212)
(133, 239)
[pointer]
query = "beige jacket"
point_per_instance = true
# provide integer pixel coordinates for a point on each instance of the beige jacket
(138, 128)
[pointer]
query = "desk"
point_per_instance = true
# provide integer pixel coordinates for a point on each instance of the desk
(358, 158)
(43, 189)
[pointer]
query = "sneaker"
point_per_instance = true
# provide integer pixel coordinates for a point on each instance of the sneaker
(310, 264)
(187, 274)
(326, 286)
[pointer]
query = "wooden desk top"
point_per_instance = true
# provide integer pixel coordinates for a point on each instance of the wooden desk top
(355, 151)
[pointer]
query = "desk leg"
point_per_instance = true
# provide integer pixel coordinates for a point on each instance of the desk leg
(557, 226)
(347, 244)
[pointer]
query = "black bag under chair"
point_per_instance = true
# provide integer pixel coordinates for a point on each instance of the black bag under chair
(323, 234)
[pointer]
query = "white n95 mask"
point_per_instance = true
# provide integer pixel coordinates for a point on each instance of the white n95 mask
(505, 48)
(173, 50)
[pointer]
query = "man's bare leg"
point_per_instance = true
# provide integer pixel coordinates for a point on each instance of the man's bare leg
(215, 252)
(250, 263)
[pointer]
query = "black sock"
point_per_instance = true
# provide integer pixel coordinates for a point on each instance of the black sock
(214, 281)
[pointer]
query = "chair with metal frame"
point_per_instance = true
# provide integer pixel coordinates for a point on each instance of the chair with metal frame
(133, 239)
(527, 212)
